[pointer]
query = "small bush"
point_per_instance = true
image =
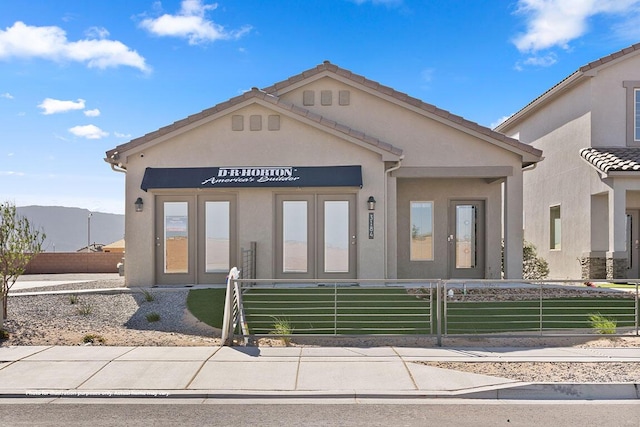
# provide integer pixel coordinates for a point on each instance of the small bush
(282, 326)
(148, 296)
(4, 334)
(73, 299)
(153, 317)
(93, 339)
(84, 309)
(602, 324)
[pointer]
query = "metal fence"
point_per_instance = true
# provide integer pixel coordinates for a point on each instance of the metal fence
(435, 308)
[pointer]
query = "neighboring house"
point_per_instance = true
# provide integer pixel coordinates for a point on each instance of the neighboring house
(117, 246)
(334, 176)
(582, 204)
(94, 247)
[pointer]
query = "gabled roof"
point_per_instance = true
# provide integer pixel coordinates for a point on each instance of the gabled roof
(255, 94)
(428, 109)
(584, 72)
(269, 96)
(613, 159)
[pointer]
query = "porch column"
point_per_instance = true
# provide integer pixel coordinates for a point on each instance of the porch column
(513, 233)
(617, 253)
(391, 227)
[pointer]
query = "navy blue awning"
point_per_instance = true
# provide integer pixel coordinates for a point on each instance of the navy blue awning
(262, 176)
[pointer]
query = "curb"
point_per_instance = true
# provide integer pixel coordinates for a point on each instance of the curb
(531, 391)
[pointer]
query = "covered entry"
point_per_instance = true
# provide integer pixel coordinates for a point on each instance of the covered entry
(196, 236)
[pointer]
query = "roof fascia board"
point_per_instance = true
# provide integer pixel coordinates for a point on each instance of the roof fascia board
(328, 126)
(374, 90)
(566, 84)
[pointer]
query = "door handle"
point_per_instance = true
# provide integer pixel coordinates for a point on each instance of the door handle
(450, 238)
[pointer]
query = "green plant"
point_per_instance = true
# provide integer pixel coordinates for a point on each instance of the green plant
(533, 266)
(73, 299)
(93, 338)
(19, 243)
(148, 296)
(4, 334)
(153, 317)
(282, 327)
(602, 324)
(84, 309)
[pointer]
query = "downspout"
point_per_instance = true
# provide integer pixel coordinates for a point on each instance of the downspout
(386, 176)
(117, 168)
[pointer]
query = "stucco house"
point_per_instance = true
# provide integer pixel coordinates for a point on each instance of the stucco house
(582, 204)
(333, 176)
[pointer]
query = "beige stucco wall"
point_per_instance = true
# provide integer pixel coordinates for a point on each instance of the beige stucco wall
(441, 192)
(609, 109)
(427, 144)
(215, 144)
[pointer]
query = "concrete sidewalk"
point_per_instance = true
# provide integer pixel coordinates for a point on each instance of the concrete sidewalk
(286, 374)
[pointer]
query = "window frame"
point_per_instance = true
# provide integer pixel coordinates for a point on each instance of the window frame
(633, 115)
(555, 232)
(412, 257)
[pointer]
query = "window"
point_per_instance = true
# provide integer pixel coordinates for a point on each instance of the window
(636, 115)
(633, 112)
(555, 232)
(421, 242)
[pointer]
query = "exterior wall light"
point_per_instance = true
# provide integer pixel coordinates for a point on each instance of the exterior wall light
(139, 204)
(371, 203)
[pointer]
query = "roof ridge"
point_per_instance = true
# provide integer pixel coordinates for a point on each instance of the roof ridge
(257, 93)
(581, 70)
(403, 97)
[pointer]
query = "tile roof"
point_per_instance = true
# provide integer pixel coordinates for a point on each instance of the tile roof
(269, 94)
(613, 159)
(256, 93)
(576, 75)
(403, 97)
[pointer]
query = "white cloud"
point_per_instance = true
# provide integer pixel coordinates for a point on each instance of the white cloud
(54, 106)
(24, 41)
(190, 23)
(554, 23)
(89, 132)
(500, 121)
(122, 135)
(427, 74)
(92, 113)
(97, 33)
(6, 95)
(11, 173)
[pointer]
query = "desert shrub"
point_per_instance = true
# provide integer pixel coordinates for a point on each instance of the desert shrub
(602, 324)
(153, 317)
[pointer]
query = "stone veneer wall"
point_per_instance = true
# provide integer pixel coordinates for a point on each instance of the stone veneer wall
(593, 267)
(616, 268)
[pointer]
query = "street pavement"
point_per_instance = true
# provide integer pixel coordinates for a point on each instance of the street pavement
(49, 374)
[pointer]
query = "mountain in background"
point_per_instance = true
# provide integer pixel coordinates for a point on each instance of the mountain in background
(67, 228)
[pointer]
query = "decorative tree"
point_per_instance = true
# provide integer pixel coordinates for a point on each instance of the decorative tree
(19, 243)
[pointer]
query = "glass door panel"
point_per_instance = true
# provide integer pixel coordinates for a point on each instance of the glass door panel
(217, 247)
(176, 237)
(295, 237)
(336, 236)
(175, 241)
(466, 236)
(466, 239)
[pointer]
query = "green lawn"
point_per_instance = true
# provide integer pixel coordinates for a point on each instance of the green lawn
(515, 316)
(394, 311)
(207, 305)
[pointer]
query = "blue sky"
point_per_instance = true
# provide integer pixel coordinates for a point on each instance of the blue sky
(79, 77)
